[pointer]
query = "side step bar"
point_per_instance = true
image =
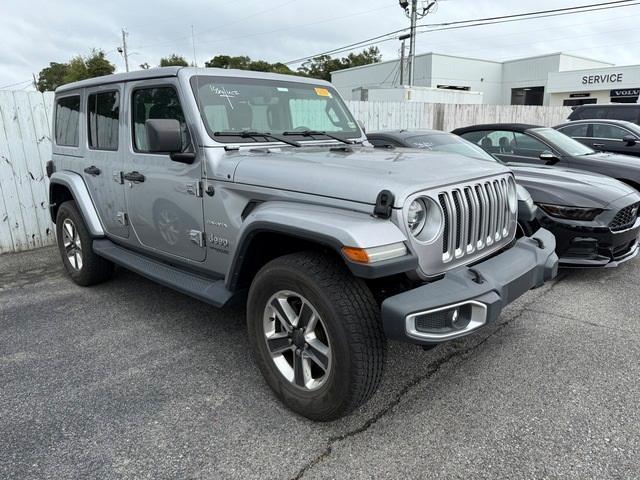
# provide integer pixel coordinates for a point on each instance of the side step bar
(202, 288)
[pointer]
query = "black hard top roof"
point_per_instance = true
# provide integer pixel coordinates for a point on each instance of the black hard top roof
(511, 127)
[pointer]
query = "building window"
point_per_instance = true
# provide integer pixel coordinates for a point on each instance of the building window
(574, 102)
(527, 96)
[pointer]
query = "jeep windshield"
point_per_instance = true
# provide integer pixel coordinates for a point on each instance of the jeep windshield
(230, 106)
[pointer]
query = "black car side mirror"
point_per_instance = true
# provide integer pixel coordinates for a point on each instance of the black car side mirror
(549, 158)
(165, 136)
(630, 140)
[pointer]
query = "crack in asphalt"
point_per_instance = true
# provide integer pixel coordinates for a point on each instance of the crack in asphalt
(433, 369)
(579, 320)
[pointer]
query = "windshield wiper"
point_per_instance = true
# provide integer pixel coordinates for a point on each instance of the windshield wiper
(313, 133)
(251, 134)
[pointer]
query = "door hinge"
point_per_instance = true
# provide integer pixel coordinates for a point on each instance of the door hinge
(123, 218)
(117, 177)
(195, 189)
(197, 237)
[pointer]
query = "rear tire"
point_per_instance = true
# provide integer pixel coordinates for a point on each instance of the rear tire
(75, 245)
(325, 372)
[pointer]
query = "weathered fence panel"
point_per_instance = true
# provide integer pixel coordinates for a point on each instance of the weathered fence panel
(25, 147)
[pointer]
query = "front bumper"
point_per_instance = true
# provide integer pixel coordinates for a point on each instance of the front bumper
(593, 247)
(478, 292)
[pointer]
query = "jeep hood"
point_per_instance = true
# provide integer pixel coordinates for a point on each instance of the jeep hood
(358, 173)
(561, 186)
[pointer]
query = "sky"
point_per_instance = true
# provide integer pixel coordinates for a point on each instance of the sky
(36, 32)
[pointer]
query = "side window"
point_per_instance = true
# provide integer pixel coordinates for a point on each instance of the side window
(103, 117)
(67, 122)
(575, 130)
(609, 131)
(630, 114)
(587, 113)
(527, 146)
(156, 103)
(497, 141)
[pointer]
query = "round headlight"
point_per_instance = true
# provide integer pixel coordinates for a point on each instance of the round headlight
(416, 217)
(424, 219)
(512, 196)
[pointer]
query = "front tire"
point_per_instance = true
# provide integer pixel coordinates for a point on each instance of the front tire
(75, 245)
(316, 334)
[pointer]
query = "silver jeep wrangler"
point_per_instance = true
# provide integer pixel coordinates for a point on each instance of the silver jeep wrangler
(232, 185)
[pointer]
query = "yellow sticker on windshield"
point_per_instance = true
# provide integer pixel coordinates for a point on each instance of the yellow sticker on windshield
(322, 92)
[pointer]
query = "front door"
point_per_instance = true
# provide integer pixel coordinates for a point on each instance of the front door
(163, 197)
(104, 158)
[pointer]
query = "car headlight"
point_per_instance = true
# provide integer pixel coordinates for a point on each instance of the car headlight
(416, 216)
(424, 219)
(512, 196)
(570, 213)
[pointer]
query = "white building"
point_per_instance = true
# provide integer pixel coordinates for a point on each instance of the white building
(554, 79)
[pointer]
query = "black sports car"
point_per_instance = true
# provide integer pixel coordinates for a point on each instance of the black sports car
(520, 143)
(615, 136)
(594, 218)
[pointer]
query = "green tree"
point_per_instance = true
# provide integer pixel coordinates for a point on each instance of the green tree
(52, 77)
(245, 63)
(174, 61)
(225, 61)
(78, 68)
(323, 65)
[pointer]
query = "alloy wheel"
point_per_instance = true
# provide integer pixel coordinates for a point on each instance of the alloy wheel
(72, 244)
(297, 340)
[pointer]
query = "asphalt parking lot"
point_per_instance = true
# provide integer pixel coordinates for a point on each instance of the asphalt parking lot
(132, 380)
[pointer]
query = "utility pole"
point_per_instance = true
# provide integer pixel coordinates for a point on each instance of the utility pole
(403, 38)
(123, 49)
(414, 15)
(412, 40)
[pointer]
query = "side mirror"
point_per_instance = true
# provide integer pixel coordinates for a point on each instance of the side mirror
(361, 123)
(630, 140)
(549, 158)
(165, 136)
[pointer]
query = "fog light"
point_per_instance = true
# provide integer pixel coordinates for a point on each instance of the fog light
(447, 322)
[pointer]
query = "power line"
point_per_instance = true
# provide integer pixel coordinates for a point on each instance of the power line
(244, 18)
(15, 84)
(473, 23)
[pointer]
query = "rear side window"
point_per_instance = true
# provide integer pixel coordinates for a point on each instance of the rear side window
(155, 103)
(103, 120)
(630, 114)
(587, 113)
(575, 130)
(67, 122)
(609, 132)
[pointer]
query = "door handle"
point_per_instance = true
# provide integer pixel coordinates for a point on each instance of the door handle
(92, 170)
(598, 145)
(135, 177)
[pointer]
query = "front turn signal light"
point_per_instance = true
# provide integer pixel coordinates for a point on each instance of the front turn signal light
(375, 254)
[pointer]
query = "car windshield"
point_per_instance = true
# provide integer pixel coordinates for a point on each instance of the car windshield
(563, 142)
(446, 142)
(232, 105)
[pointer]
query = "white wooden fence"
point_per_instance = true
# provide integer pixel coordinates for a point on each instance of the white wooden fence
(25, 147)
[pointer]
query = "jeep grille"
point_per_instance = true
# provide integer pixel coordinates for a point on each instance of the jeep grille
(475, 217)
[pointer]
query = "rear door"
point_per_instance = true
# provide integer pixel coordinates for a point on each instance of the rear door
(104, 158)
(163, 197)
